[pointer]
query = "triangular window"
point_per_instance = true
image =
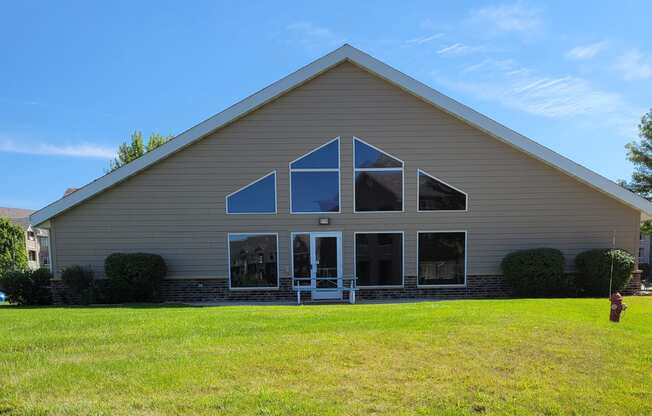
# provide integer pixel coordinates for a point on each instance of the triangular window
(259, 197)
(367, 156)
(436, 195)
(324, 157)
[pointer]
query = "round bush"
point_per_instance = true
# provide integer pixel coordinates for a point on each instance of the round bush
(537, 272)
(29, 287)
(594, 267)
(79, 282)
(134, 277)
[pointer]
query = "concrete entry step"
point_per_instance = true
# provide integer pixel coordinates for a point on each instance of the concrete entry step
(325, 302)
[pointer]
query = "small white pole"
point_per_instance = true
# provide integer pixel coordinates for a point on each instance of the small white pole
(611, 272)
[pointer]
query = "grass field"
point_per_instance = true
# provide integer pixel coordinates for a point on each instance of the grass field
(445, 358)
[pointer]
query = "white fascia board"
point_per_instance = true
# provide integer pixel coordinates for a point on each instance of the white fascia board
(314, 69)
(193, 134)
(499, 131)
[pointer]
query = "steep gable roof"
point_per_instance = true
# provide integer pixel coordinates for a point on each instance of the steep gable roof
(378, 68)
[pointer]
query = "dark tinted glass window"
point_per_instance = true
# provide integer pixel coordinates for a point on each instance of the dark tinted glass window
(379, 191)
(301, 257)
(435, 195)
(379, 259)
(252, 260)
(315, 192)
(326, 157)
(258, 197)
(368, 157)
(441, 258)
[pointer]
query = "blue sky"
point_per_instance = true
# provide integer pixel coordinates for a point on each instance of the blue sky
(76, 78)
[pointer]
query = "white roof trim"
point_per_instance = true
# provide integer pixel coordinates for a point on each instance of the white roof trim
(312, 70)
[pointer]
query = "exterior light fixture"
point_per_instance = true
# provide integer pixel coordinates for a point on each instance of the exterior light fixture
(324, 221)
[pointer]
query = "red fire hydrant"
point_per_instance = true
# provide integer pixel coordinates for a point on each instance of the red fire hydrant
(617, 307)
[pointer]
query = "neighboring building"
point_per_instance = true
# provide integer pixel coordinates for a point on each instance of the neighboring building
(345, 167)
(644, 249)
(36, 239)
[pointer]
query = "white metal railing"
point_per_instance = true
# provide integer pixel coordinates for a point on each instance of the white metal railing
(309, 287)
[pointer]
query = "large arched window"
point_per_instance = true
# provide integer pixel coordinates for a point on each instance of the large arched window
(378, 179)
(315, 180)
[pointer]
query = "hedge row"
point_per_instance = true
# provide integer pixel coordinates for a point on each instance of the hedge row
(540, 272)
(27, 287)
(131, 277)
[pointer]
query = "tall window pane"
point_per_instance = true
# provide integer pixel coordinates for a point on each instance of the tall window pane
(378, 179)
(301, 258)
(315, 191)
(379, 259)
(435, 195)
(315, 180)
(259, 197)
(378, 191)
(442, 258)
(253, 260)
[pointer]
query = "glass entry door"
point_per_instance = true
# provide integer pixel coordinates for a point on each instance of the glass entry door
(326, 265)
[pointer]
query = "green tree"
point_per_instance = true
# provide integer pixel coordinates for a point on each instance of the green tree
(640, 154)
(128, 152)
(156, 140)
(13, 253)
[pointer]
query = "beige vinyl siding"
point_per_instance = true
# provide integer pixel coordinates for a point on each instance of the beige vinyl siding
(176, 207)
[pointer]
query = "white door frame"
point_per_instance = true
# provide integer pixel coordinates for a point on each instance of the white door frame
(331, 294)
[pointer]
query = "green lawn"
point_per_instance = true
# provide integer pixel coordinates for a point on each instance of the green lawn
(456, 357)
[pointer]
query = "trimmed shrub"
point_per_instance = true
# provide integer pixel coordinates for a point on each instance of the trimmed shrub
(80, 283)
(134, 277)
(30, 287)
(537, 272)
(594, 267)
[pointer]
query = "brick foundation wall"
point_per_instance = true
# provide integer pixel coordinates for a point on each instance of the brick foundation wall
(476, 287)
(634, 285)
(61, 296)
(217, 290)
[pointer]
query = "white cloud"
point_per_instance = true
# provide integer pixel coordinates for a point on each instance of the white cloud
(586, 51)
(458, 49)
(509, 18)
(424, 39)
(79, 150)
(528, 90)
(313, 36)
(634, 65)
